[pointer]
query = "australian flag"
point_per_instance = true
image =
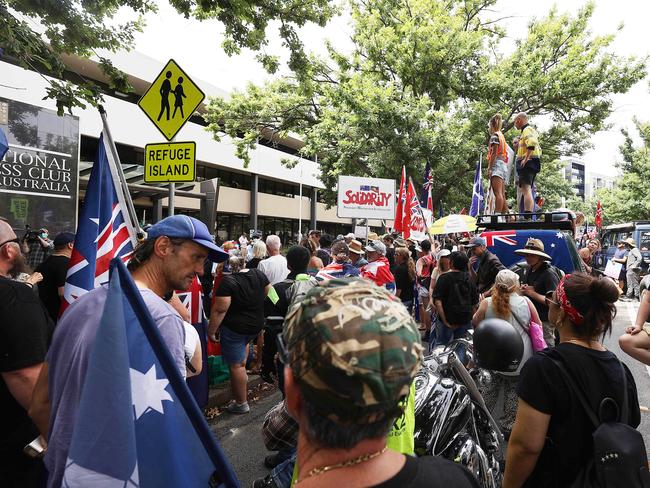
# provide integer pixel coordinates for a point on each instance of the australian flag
(138, 425)
(192, 299)
(104, 231)
(478, 195)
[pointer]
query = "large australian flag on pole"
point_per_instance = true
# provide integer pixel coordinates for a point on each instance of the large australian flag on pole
(138, 425)
(104, 230)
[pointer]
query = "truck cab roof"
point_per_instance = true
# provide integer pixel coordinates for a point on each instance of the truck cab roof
(554, 229)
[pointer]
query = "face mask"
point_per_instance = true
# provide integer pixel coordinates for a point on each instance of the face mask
(44, 235)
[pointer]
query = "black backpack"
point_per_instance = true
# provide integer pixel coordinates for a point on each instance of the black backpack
(619, 457)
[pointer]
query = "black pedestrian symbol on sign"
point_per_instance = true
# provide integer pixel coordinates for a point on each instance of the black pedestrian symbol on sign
(179, 94)
(165, 89)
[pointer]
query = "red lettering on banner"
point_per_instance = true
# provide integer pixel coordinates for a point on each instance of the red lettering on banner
(367, 198)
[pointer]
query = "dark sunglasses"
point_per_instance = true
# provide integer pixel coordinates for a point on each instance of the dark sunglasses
(549, 299)
(15, 239)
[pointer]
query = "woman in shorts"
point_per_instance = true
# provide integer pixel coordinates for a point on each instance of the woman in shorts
(498, 164)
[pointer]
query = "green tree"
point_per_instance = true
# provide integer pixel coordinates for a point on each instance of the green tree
(422, 81)
(38, 34)
(630, 200)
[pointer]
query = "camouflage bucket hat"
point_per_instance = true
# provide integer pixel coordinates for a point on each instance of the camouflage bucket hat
(353, 349)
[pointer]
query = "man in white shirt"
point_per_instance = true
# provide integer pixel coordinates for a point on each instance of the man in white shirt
(275, 266)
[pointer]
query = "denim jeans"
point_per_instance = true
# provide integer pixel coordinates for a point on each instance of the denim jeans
(283, 472)
(444, 335)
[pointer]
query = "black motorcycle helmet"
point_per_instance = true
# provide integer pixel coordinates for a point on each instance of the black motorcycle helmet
(497, 346)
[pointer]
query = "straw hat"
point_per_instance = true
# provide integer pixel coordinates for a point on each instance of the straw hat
(372, 236)
(534, 247)
(356, 247)
(630, 242)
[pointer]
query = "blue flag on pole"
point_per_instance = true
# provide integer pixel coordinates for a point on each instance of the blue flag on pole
(478, 194)
(138, 425)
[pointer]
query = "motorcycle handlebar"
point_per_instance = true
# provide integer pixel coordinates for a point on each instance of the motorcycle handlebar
(462, 373)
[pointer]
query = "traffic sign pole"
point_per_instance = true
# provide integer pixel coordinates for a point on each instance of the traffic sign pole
(170, 205)
(172, 189)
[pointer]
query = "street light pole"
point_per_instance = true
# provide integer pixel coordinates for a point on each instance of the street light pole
(300, 202)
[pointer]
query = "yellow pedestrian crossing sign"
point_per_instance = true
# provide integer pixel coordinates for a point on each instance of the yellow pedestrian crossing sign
(171, 100)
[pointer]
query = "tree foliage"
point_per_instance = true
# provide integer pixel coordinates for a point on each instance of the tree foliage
(420, 84)
(36, 34)
(630, 200)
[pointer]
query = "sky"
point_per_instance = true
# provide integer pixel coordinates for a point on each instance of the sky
(197, 47)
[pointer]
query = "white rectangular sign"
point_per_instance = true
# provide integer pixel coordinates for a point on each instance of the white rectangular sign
(366, 198)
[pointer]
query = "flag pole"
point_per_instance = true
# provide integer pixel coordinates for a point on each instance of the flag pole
(122, 188)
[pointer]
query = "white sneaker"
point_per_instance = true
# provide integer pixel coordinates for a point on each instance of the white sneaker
(237, 408)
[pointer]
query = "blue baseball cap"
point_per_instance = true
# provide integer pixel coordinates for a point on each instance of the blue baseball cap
(185, 227)
(476, 242)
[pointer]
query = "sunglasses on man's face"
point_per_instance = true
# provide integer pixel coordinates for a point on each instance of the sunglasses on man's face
(550, 299)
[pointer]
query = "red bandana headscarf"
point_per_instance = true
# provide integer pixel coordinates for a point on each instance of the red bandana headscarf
(575, 316)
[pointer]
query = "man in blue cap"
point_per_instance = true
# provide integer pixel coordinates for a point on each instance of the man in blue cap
(173, 253)
(483, 265)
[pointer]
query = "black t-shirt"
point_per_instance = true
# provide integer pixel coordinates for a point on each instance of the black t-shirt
(403, 282)
(53, 270)
(430, 472)
(543, 280)
(542, 386)
(390, 255)
(253, 263)
(25, 333)
(246, 312)
(458, 295)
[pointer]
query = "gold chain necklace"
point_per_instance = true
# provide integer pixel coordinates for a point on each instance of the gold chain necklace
(343, 464)
(581, 343)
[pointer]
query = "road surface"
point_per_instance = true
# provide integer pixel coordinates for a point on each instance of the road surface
(241, 439)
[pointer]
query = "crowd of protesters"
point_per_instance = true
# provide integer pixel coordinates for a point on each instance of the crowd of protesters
(340, 325)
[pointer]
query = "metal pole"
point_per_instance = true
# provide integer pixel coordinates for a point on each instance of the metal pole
(172, 189)
(367, 231)
(300, 203)
(170, 205)
(120, 174)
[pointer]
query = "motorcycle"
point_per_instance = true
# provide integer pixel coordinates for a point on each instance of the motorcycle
(451, 418)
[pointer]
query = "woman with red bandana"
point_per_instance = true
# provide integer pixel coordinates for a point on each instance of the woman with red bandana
(551, 440)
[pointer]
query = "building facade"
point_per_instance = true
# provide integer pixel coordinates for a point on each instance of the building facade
(574, 172)
(267, 195)
(597, 181)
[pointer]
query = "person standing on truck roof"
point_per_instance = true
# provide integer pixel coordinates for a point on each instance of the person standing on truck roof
(539, 279)
(528, 161)
(483, 265)
(498, 164)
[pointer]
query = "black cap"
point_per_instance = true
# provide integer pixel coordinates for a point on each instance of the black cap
(63, 238)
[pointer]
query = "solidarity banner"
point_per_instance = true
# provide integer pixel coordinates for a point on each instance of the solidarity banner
(366, 198)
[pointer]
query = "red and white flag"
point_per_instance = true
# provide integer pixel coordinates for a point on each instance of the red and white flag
(599, 216)
(413, 223)
(401, 197)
